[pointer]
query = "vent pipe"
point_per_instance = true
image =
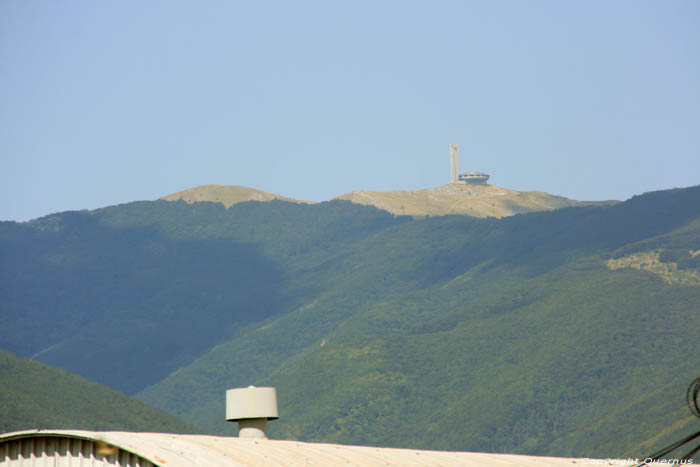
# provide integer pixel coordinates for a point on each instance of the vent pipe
(251, 407)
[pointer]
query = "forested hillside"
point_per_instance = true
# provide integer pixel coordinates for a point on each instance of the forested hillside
(543, 333)
(148, 286)
(34, 395)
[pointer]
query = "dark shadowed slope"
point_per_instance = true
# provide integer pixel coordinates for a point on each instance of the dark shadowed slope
(34, 395)
(149, 286)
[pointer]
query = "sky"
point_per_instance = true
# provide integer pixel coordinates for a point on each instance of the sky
(108, 102)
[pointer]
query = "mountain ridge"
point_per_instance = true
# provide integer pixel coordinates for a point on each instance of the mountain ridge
(452, 198)
(523, 271)
(375, 326)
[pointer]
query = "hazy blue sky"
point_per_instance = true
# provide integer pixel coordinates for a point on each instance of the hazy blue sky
(104, 102)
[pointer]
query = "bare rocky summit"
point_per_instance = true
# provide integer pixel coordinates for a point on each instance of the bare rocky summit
(459, 198)
(453, 198)
(225, 194)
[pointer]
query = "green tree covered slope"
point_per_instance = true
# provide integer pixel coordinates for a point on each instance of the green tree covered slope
(34, 395)
(148, 286)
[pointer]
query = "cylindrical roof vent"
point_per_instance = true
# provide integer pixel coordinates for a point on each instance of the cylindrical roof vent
(251, 407)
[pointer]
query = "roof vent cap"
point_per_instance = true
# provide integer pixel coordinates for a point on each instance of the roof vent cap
(251, 407)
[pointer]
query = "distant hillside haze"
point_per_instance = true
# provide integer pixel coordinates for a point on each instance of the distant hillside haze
(453, 198)
(553, 332)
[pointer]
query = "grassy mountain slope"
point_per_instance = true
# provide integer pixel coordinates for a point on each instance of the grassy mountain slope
(458, 198)
(34, 395)
(459, 333)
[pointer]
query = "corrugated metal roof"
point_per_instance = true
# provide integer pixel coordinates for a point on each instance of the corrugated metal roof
(171, 450)
(37, 449)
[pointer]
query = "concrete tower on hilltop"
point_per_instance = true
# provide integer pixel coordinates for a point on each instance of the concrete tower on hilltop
(471, 178)
(454, 163)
